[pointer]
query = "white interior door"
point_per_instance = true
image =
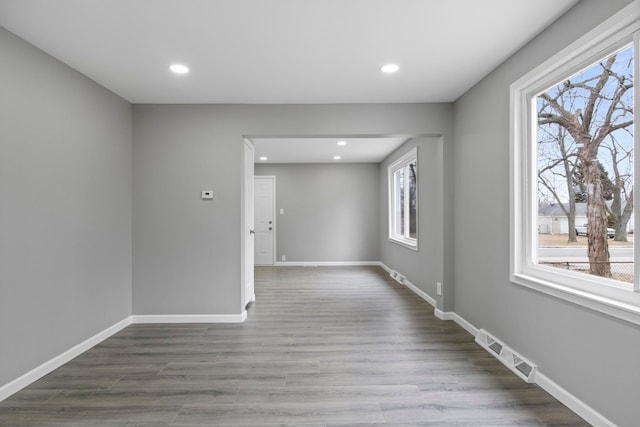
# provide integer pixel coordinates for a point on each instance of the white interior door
(265, 209)
(248, 229)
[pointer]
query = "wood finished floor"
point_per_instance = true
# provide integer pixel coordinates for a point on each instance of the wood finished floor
(321, 346)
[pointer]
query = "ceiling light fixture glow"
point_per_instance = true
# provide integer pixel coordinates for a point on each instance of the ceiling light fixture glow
(263, 158)
(341, 143)
(179, 69)
(336, 157)
(390, 68)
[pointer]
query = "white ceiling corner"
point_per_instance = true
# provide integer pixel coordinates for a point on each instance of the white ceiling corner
(284, 52)
(323, 149)
(281, 51)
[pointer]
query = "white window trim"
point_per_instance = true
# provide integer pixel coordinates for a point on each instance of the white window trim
(403, 161)
(603, 295)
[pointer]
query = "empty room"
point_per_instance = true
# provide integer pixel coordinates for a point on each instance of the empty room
(318, 213)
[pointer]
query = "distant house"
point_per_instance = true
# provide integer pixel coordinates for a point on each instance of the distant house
(552, 219)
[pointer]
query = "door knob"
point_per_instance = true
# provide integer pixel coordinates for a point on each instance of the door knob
(270, 228)
(252, 231)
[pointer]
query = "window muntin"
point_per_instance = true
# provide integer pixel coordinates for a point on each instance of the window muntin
(403, 200)
(612, 297)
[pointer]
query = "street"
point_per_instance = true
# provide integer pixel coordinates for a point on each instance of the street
(580, 253)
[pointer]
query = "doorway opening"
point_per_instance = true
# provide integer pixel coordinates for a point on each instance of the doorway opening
(265, 219)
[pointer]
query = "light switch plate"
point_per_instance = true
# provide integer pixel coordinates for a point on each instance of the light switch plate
(207, 194)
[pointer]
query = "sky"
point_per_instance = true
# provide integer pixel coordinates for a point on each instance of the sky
(574, 100)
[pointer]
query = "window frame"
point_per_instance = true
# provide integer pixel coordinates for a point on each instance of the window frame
(603, 295)
(402, 162)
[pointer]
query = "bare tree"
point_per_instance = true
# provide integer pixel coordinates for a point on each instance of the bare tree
(622, 188)
(603, 110)
(555, 152)
(413, 187)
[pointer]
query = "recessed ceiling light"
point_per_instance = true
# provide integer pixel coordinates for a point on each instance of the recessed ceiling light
(263, 158)
(342, 142)
(336, 157)
(179, 69)
(390, 68)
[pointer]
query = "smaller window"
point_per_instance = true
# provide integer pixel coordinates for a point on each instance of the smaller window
(403, 200)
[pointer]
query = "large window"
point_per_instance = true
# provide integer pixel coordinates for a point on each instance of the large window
(573, 172)
(584, 148)
(403, 200)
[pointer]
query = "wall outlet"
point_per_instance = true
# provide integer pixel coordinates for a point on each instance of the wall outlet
(439, 288)
(281, 211)
(284, 257)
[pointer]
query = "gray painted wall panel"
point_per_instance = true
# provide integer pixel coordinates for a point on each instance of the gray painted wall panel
(591, 355)
(331, 211)
(65, 251)
(187, 251)
(65, 208)
(65, 214)
(423, 268)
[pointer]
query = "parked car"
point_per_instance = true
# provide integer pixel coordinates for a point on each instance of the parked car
(581, 230)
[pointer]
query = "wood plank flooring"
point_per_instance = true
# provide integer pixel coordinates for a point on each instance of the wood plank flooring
(322, 346)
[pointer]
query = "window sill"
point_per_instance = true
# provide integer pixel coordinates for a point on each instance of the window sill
(618, 303)
(410, 244)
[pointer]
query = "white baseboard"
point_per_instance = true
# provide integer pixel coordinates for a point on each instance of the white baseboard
(592, 416)
(189, 318)
(416, 290)
(569, 400)
(450, 315)
(384, 266)
(572, 402)
(49, 366)
(589, 414)
(442, 315)
(422, 294)
(325, 263)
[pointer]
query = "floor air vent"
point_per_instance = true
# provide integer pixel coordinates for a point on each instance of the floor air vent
(512, 360)
(494, 345)
(397, 276)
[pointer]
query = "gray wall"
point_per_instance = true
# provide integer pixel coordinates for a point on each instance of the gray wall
(594, 357)
(423, 267)
(187, 251)
(331, 211)
(65, 214)
(65, 208)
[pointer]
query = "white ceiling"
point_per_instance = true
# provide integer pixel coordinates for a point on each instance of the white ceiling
(323, 149)
(281, 51)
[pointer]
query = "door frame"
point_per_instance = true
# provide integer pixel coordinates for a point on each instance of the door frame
(273, 213)
(246, 228)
